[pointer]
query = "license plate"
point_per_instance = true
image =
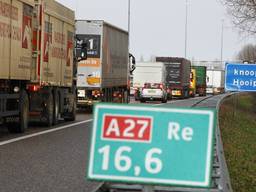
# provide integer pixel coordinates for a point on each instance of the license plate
(151, 91)
(176, 93)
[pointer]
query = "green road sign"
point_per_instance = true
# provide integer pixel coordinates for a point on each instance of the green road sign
(152, 145)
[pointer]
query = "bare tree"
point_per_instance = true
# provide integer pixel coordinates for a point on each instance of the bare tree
(247, 53)
(243, 13)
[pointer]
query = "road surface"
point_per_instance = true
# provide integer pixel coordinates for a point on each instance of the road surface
(49, 160)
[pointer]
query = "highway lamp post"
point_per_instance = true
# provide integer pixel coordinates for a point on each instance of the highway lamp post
(129, 61)
(235, 98)
(129, 21)
(186, 29)
(221, 43)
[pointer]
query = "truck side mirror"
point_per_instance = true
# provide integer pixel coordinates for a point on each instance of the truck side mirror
(83, 52)
(133, 61)
(133, 65)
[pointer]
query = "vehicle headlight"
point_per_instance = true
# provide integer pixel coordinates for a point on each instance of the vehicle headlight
(16, 89)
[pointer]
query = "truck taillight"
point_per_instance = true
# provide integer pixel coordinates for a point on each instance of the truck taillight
(33, 88)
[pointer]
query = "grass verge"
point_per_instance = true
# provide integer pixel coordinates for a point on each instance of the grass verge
(238, 129)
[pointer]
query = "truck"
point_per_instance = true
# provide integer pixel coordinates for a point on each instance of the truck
(177, 75)
(147, 72)
(104, 76)
(37, 63)
(215, 81)
(200, 80)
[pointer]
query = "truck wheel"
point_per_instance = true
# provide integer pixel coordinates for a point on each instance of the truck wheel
(187, 94)
(72, 115)
(169, 97)
(22, 124)
(56, 109)
(142, 100)
(164, 100)
(49, 110)
(126, 96)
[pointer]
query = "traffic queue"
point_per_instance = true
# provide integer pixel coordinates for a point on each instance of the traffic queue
(176, 78)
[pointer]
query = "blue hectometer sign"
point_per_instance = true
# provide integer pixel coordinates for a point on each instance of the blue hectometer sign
(240, 77)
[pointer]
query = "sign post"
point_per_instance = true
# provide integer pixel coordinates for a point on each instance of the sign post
(151, 145)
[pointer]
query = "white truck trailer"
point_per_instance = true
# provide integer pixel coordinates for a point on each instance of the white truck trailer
(215, 81)
(104, 75)
(36, 62)
(148, 72)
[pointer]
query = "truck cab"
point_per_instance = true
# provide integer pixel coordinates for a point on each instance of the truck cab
(192, 87)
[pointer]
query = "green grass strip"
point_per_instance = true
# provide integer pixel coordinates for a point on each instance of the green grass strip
(238, 129)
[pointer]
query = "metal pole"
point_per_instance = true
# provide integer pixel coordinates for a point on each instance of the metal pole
(147, 188)
(129, 21)
(222, 39)
(129, 77)
(186, 28)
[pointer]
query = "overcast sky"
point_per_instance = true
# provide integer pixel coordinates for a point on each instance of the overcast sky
(158, 26)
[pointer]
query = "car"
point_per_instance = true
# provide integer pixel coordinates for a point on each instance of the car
(153, 92)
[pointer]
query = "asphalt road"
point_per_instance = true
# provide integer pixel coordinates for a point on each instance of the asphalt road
(55, 160)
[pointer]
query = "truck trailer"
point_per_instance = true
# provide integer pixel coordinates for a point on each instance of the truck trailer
(200, 80)
(104, 76)
(36, 63)
(215, 81)
(177, 75)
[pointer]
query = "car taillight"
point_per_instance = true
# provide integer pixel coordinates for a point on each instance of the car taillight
(33, 88)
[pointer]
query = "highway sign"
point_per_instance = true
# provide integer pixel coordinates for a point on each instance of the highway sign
(240, 77)
(152, 145)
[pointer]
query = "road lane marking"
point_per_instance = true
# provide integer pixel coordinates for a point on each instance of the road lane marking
(159, 104)
(44, 132)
